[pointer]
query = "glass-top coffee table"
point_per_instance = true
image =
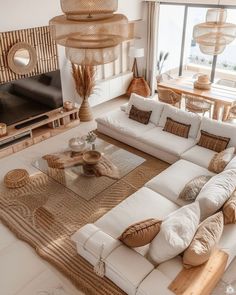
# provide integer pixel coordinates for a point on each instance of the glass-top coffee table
(87, 186)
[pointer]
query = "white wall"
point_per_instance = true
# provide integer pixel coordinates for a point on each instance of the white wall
(21, 14)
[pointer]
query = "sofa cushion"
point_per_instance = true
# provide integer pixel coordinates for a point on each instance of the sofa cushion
(193, 188)
(168, 142)
(221, 160)
(177, 128)
(143, 204)
(146, 104)
(138, 144)
(213, 142)
(183, 117)
(92, 239)
(141, 233)
(205, 240)
(171, 181)
(229, 210)
(176, 234)
(127, 269)
(216, 192)
(156, 280)
(171, 268)
(120, 122)
(220, 129)
(199, 155)
(140, 116)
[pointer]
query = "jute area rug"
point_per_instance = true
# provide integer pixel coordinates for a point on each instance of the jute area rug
(45, 214)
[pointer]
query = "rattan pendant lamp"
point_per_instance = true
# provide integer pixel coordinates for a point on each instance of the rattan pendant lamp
(90, 31)
(215, 34)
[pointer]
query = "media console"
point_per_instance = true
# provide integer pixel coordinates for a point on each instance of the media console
(29, 132)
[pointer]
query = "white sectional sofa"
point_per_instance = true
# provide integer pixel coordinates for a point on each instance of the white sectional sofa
(129, 268)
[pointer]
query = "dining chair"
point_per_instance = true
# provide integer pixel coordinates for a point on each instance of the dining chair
(169, 96)
(229, 83)
(198, 105)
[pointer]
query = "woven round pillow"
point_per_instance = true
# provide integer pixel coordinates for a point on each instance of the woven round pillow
(16, 178)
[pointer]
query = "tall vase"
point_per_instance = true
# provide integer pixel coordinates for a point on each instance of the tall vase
(85, 112)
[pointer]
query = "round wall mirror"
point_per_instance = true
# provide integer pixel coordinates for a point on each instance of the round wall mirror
(22, 58)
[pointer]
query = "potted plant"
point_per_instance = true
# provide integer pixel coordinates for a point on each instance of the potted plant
(84, 77)
(160, 63)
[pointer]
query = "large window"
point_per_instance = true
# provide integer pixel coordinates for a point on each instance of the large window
(185, 58)
(170, 32)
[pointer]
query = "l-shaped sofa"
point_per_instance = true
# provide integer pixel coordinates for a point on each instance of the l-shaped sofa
(129, 268)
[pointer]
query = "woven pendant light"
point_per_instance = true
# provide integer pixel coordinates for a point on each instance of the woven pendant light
(215, 34)
(90, 31)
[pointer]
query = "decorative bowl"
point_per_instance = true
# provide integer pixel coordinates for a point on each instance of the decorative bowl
(77, 144)
(92, 157)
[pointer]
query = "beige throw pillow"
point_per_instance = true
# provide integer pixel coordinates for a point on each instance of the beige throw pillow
(229, 210)
(221, 160)
(205, 240)
(141, 233)
(140, 116)
(193, 188)
(177, 128)
(213, 142)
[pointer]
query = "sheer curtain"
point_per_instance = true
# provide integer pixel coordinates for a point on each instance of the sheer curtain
(153, 8)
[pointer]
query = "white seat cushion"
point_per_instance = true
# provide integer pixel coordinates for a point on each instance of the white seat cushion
(172, 267)
(220, 129)
(146, 104)
(199, 155)
(119, 121)
(156, 283)
(142, 205)
(127, 269)
(166, 141)
(171, 181)
(183, 117)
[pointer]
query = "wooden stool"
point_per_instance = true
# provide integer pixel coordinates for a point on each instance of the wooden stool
(16, 178)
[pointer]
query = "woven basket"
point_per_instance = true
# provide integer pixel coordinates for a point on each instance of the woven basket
(139, 86)
(16, 178)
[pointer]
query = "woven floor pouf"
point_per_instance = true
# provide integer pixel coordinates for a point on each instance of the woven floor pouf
(16, 178)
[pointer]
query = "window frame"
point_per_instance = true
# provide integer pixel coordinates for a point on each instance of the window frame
(183, 43)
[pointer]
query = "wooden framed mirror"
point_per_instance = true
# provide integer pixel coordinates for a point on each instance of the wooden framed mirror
(22, 58)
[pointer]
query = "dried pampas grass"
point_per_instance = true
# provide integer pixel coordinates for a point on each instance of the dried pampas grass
(84, 77)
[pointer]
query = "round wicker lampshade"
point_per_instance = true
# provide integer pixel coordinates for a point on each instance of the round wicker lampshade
(215, 34)
(90, 9)
(92, 56)
(90, 31)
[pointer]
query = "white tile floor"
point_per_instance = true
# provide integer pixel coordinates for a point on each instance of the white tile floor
(22, 272)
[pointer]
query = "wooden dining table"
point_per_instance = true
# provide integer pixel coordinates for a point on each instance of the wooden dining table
(223, 97)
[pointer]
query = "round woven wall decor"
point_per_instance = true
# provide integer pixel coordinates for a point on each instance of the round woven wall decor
(16, 178)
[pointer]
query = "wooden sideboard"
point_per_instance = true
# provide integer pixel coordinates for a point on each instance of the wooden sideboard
(58, 121)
